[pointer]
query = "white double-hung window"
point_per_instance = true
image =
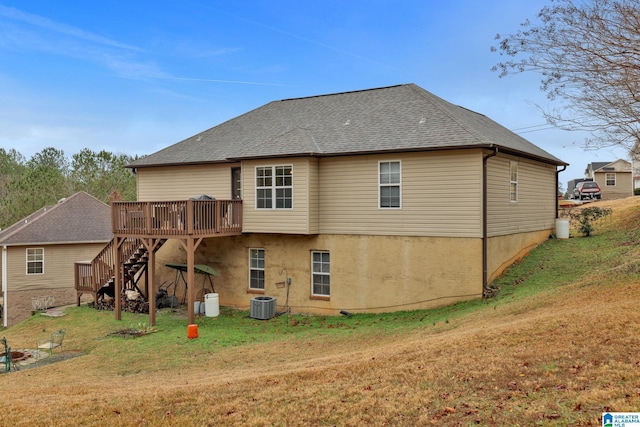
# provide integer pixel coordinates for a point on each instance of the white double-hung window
(35, 261)
(274, 187)
(320, 273)
(256, 269)
(610, 180)
(390, 185)
(513, 181)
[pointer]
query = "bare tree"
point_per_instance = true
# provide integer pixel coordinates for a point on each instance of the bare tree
(588, 53)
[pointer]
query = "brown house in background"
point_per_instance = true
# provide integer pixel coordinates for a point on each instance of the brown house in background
(39, 252)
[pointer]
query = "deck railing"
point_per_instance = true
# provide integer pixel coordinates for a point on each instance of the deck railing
(92, 275)
(83, 277)
(177, 218)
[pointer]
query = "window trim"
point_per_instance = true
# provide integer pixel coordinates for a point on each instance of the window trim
(513, 184)
(273, 188)
(251, 269)
(35, 261)
(606, 179)
(320, 273)
(398, 184)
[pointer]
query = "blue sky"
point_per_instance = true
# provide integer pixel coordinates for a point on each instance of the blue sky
(134, 77)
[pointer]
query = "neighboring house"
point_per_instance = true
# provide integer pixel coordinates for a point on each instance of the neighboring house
(614, 178)
(367, 201)
(38, 253)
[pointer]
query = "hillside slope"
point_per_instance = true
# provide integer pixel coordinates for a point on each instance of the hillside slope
(557, 357)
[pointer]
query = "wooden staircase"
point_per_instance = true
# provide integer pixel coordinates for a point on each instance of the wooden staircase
(93, 276)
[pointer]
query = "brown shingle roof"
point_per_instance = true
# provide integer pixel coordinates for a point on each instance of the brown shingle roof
(397, 118)
(80, 218)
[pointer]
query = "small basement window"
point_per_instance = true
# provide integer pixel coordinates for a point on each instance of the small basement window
(320, 273)
(256, 269)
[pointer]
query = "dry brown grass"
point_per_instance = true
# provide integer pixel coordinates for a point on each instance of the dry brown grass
(558, 358)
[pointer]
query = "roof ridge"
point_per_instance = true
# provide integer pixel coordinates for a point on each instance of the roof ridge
(348, 92)
(36, 216)
(23, 223)
(470, 130)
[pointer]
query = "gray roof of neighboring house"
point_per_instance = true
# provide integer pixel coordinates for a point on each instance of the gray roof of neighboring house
(389, 119)
(80, 218)
(596, 165)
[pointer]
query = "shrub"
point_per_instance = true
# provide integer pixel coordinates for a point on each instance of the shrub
(587, 216)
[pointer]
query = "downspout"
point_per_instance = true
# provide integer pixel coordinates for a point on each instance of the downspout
(4, 286)
(557, 182)
(485, 238)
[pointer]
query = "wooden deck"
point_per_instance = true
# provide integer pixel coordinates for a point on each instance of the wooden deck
(140, 229)
(166, 219)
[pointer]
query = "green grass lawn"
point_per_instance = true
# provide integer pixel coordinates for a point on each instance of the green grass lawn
(557, 345)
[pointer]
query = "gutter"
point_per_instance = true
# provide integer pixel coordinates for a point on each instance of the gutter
(557, 182)
(4, 286)
(239, 159)
(485, 238)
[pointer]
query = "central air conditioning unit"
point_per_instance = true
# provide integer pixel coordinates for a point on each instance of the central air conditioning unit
(263, 307)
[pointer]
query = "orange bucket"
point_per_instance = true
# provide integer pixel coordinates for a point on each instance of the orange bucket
(192, 331)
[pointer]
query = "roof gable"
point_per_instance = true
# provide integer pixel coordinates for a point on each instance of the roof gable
(397, 118)
(80, 218)
(619, 165)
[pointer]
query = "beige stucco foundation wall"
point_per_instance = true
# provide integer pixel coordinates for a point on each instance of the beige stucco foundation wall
(502, 251)
(368, 273)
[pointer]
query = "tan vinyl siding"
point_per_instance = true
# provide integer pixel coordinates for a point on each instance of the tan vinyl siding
(184, 182)
(57, 282)
(623, 187)
(58, 266)
(441, 195)
(535, 208)
(314, 196)
(298, 220)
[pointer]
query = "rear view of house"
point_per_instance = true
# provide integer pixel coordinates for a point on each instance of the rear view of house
(374, 200)
(39, 251)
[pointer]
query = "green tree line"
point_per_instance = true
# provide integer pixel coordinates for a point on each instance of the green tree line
(48, 176)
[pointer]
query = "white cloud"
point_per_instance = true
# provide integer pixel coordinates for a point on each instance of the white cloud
(60, 28)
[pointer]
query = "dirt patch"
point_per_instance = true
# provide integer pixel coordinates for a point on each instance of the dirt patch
(131, 333)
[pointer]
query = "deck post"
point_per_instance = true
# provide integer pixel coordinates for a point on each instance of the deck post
(117, 272)
(191, 279)
(151, 277)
